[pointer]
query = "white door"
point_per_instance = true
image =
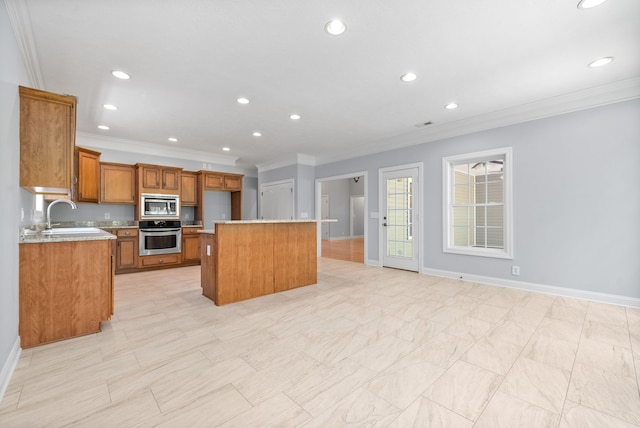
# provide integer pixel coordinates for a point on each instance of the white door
(276, 201)
(400, 214)
(325, 215)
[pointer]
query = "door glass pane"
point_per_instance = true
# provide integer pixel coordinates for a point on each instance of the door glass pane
(399, 217)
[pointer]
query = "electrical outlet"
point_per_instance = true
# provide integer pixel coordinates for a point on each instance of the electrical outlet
(107, 216)
(223, 216)
(187, 216)
(515, 270)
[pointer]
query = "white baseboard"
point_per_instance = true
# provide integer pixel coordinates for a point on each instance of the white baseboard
(9, 367)
(613, 299)
(372, 263)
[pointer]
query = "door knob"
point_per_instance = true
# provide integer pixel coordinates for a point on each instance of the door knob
(384, 224)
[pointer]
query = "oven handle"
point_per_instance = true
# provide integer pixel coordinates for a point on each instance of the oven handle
(159, 230)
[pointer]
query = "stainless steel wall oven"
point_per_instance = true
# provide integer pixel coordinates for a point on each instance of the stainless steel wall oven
(160, 237)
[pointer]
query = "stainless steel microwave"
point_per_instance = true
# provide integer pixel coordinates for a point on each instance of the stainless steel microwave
(159, 206)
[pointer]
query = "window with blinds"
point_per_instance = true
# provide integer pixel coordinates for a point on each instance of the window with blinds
(477, 219)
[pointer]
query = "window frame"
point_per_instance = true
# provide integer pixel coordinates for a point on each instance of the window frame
(448, 166)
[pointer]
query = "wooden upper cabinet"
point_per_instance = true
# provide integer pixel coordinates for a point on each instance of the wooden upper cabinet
(117, 183)
(189, 190)
(47, 140)
(171, 179)
(232, 182)
(158, 179)
(213, 181)
(222, 181)
(87, 182)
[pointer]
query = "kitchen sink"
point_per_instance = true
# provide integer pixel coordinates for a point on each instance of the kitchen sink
(65, 231)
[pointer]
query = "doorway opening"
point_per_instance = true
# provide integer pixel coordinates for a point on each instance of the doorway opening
(342, 198)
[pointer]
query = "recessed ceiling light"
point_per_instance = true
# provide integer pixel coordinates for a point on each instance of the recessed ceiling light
(226, 149)
(103, 127)
(588, 4)
(173, 139)
(451, 106)
(110, 107)
(243, 100)
(120, 75)
(335, 27)
(257, 134)
(294, 116)
(601, 61)
(408, 77)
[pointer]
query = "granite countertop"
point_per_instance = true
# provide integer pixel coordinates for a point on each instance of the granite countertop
(101, 224)
(213, 231)
(188, 223)
(33, 237)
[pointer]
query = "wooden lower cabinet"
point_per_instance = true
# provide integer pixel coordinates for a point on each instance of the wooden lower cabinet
(66, 289)
(126, 249)
(191, 245)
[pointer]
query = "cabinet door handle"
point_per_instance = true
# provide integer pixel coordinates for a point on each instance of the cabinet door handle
(127, 233)
(160, 260)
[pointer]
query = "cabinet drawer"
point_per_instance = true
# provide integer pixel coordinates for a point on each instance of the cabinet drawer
(191, 230)
(126, 232)
(164, 259)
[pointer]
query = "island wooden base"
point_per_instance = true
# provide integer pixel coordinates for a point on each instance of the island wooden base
(243, 261)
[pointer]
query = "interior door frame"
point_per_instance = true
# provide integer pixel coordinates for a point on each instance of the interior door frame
(318, 198)
(420, 216)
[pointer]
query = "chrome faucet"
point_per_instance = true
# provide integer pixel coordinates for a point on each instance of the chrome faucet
(73, 207)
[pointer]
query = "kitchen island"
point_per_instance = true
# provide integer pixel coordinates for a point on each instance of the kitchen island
(241, 260)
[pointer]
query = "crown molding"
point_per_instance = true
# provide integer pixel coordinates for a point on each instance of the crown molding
(129, 146)
(21, 24)
(619, 91)
(297, 159)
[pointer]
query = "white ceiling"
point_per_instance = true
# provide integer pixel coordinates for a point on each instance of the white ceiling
(502, 61)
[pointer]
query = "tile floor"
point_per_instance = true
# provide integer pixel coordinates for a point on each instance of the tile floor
(365, 346)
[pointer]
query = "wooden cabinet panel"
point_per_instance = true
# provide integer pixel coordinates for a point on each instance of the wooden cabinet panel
(150, 177)
(295, 255)
(233, 182)
(213, 181)
(127, 253)
(190, 244)
(73, 301)
(47, 140)
(87, 175)
(158, 179)
(208, 269)
(222, 181)
(245, 261)
(189, 190)
(171, 179)
(117, 183)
